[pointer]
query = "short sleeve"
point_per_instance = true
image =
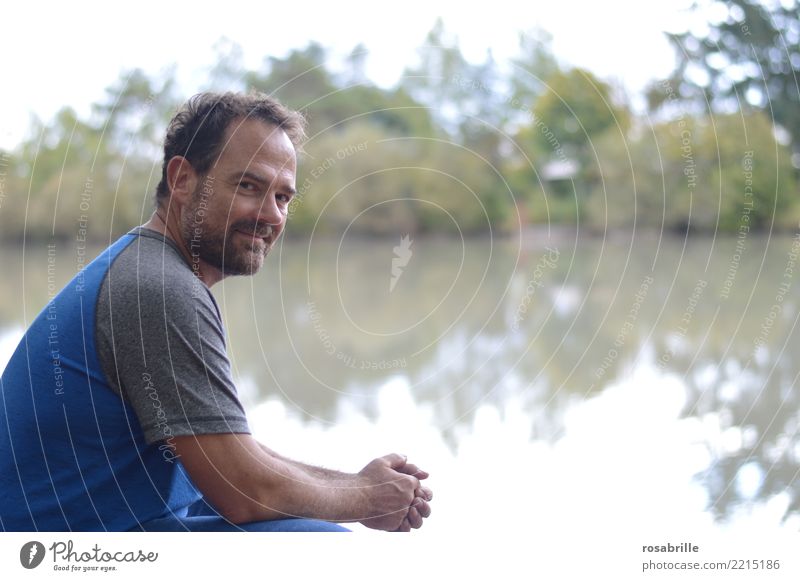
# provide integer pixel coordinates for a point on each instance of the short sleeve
(161, 342)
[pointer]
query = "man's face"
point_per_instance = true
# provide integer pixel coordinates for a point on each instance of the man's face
(239, 207)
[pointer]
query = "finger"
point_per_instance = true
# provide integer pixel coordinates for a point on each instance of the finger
(422, 507)
(404, 527)
(396, 461)
(412, 484)
(414, 518)
(424, 492)
(413, 470)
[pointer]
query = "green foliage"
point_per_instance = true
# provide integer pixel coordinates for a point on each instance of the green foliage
(365, 179)
(575, 107)
(704, 175)
(557, 153)
(454, 147)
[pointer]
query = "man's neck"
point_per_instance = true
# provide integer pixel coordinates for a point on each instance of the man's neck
(167, 224)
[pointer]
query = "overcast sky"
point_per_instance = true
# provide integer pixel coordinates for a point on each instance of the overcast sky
(66, 53)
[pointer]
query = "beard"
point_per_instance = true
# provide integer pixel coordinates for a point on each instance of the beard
(224, 246)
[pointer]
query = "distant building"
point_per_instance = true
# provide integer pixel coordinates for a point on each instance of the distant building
(559, 170)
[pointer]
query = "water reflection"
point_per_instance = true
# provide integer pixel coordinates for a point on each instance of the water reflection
(752, 416)
(587, 375)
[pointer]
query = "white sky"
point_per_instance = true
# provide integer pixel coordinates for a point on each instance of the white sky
(56, 54)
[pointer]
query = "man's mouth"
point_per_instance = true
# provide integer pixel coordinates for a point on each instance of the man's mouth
(265, 235)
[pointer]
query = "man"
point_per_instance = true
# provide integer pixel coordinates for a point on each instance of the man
(118, 410)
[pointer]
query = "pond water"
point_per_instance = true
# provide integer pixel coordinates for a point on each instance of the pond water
(633, 378)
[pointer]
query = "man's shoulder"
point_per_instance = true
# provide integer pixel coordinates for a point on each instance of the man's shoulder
(152, 263)
(151, 271)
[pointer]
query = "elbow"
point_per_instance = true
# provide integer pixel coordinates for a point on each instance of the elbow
(245, 507)
(236, 477)
(240, 513)
(237, 515)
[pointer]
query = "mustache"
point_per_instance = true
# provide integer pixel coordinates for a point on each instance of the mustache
(254, 227)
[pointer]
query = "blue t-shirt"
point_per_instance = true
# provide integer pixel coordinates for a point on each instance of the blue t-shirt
(129, 354)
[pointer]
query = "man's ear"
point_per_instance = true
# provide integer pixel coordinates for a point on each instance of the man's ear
(182, 179)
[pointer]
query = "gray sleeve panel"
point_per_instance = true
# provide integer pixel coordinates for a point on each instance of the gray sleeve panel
(161, 344)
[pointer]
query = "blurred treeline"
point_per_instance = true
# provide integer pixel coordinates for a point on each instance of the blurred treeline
(453, 146)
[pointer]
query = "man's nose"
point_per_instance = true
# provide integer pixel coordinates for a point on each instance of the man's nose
(270, 212)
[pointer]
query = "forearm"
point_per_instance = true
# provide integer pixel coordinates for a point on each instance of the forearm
(247, 483)
(316, 471)
(376, 500)
(294, 489)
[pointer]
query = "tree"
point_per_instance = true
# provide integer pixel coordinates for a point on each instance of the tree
(748, 56)
(300, 81)
(91, 176)
(534, 64)
(717, 173)
(575, 107)
(558, 156)
(228, 72)
(452, 87)
(303, 81)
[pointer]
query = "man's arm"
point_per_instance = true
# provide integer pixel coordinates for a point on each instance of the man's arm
(245, 483)
(313, 470)
(418, 509)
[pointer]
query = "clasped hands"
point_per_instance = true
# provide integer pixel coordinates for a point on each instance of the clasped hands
(396, 499)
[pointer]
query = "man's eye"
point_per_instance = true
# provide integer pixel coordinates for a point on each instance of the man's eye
(285, 198)
(247, 186)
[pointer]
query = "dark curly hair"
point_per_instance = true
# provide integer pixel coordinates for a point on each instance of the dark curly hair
(198, 128)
